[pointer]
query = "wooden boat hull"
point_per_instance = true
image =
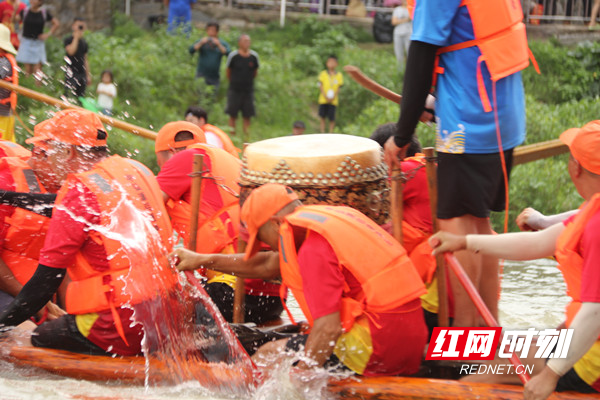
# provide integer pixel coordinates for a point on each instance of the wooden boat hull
(132, 370)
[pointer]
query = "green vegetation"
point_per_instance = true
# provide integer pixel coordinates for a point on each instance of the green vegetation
(154, 73)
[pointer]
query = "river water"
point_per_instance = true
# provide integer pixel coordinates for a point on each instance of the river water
(532, 296)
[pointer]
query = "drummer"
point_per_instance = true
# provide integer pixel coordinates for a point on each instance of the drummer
(218, 227)
(332, 258)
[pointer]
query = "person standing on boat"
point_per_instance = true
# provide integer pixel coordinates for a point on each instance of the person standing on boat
(218, 227)
(100, 201)
(576, 245)
(354, 282)
(480, 116)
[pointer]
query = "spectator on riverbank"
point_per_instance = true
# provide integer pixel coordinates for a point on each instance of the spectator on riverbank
(402, 32)
(211, 50)
(32, 51)
(107, 91)
(8, 9)
(77, 69)
(330, 82)
(242, 67)
(180, 16)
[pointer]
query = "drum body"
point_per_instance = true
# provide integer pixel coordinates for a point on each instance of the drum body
(323, 169)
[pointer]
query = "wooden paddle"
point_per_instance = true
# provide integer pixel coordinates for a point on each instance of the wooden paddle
(397, 205)
(485, 313)
(125, 126)
(440, 271)
(239, 291)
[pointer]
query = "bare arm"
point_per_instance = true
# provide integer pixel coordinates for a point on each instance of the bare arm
(511, 246)
(87, 70)
(71, 48)
(586, 328)
(322, 338)
(264, 265)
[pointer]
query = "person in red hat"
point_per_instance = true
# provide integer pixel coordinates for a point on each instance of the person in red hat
(102, 202)
(576, 245)
(354, 282)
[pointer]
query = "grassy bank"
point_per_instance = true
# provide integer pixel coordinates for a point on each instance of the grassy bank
(154, 73)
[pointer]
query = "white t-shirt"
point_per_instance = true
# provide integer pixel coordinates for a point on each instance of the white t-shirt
(106, 101)
(405, 28)
(213, 139)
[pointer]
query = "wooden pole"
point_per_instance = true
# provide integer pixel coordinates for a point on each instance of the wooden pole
(485, 313)
(440, 271)
(196, 192)
(397, 205)
(239, 291)
(116, 123)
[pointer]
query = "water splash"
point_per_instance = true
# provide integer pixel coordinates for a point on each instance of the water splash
(185, 338)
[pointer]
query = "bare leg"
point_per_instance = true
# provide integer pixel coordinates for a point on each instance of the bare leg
(595, 9)
(322, 125)
(232, 124)
(489, 284)
(29, 69)
(331, 126)
(465, 313)
(246, 126)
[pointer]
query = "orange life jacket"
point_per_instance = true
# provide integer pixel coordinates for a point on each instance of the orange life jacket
(25, 230)
(500, 36)
(117, 182)
(217, 229)
(11, 149)
(228, 145)
(14, 79)
(569, 257)
(379, 263)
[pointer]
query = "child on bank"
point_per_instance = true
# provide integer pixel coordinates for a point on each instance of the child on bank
(107, 91)
(330, 82)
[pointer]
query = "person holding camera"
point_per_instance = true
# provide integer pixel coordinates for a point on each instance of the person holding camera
(77, 71)
(211, 50)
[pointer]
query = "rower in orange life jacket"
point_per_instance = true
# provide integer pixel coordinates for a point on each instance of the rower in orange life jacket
(337, 256)
(575, 366)
(8, 100)
(113, 196)
(218, 224)
(24, 231)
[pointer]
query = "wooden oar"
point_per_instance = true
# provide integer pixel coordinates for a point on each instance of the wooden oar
(369, 84)
(485, 313)
(125, 126)
(397, 205)
(440, 270)
(239, 291)
(196, 192)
